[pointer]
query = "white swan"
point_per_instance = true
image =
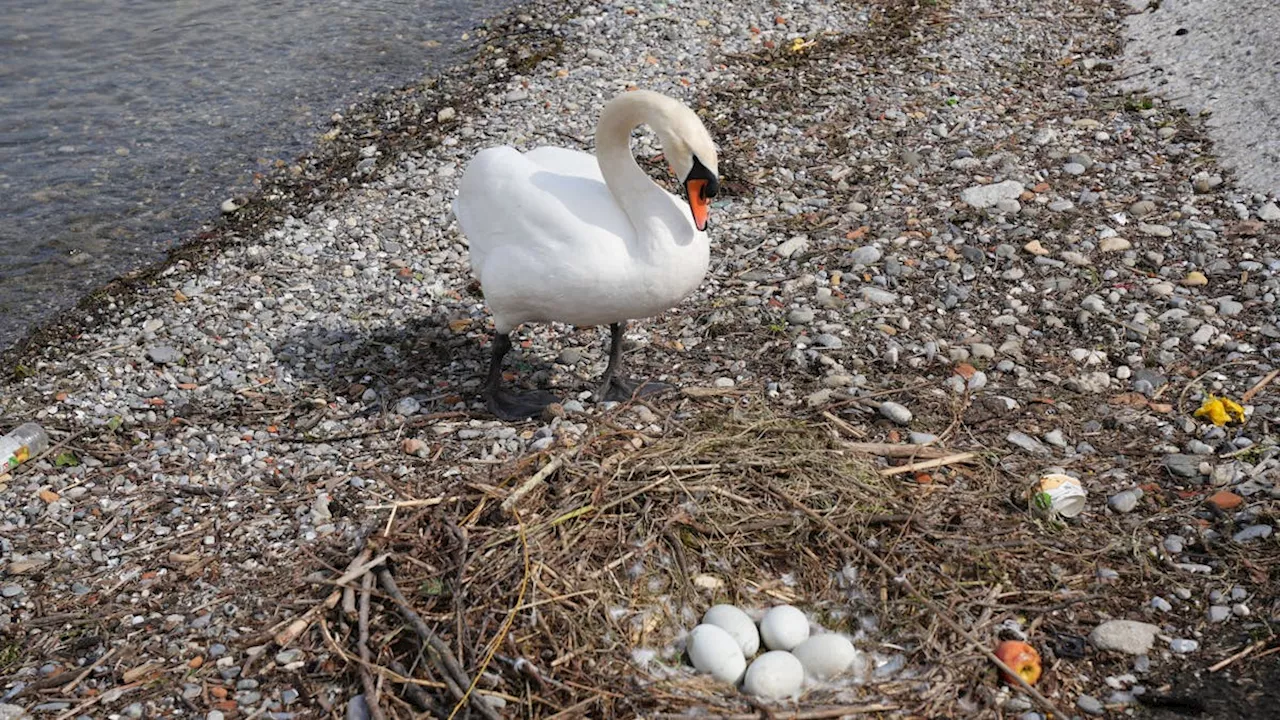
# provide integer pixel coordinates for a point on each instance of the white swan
(561, 235)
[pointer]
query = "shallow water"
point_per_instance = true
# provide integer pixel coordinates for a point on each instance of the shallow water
(125, 123)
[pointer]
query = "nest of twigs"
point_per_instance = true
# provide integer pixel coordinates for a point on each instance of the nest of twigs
(566, 584)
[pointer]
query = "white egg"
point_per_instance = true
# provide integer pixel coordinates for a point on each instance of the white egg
(774, 675)
(783, 627)
(736, 623)
(715, 652)
(826, 655)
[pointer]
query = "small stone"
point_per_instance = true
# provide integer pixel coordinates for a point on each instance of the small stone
(1028, 443)
(876, 296)
(985, 196)
(1124, 501)
(569, 356)
(228, 206)
(1036, 248)
(1240, 610)
(792, 246)
(723, 382)
(1195, 278)
(1090, 705)
(1114, 244)
(829, 341)
(408, 406)
(1056, 438)
(1072, 168)
(1253, 532)
(1155, 230)
(800, 316)
(11, 590)
(1219, 613)
(895, 412)
(1183, 466)
(819, 398)
(1225, 500)
(1161, 604)
(1174, 544)
(1269, 212)
(1141, 208)
(446, 114)
(163, 354)
(866, 255)
(1127, 636)
(1183, 646)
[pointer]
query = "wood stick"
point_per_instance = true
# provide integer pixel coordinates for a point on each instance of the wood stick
(538, 478)
(438, 651)
(66, 689)
(896, 450)
(1248, 394)
(1251, 648)
(843, 426)
(928, 464)
(933, 607)
(359, 566)
(362, 645)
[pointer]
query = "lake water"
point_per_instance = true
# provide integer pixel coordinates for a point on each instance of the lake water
(125, 123)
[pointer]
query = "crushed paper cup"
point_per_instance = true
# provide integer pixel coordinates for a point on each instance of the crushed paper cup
(1059, 494)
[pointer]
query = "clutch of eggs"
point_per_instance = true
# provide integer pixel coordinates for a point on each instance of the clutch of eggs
(728, 637)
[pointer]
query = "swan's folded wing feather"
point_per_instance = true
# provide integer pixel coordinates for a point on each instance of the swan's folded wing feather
(545, 206)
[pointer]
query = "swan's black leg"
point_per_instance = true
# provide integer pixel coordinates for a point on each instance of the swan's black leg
(616, 388)
(508, 405)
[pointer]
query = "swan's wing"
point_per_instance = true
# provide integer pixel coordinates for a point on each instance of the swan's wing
(549, 204)
(567, 162)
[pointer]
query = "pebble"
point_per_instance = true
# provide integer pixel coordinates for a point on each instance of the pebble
(1127, 636)
(1252, 532)
(876, 296)
(1218, 613)
(866, 255)
(11, 590)
(408, 406)
(163, 354)
(895, 412)
(1173, 544)
(1124, 501)
(1114, 244)
(986, 196)
(1183, 466)
(1161, 604)
(1028, 443)
(800, 316)
(1183, 646)
(1269, 212)
(1090, 705)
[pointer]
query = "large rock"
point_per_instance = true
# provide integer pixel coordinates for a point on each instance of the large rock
(985, 196)
(1126, 636)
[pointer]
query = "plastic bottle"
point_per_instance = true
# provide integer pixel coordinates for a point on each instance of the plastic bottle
(19, 446)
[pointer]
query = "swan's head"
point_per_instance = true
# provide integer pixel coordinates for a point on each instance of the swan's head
(692, 155)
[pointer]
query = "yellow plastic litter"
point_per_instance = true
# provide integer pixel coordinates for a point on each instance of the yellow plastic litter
(1220, 410)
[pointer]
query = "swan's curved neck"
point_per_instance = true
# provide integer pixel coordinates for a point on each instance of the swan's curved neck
(639, 196)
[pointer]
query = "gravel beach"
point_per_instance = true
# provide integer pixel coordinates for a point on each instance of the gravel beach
(940, 225)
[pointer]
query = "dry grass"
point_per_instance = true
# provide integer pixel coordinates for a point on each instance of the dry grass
(621, 549)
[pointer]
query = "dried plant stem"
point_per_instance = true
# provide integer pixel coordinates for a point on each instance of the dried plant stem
(538, 478)
(359, 566)
(896, 450)
(362, 644)
(439, 653)
(1243, 653)
(506, 624)
(1248, 394)
(930, 464)
(933, 607)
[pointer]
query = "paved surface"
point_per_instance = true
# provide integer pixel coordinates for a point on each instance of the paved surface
(1226, 62)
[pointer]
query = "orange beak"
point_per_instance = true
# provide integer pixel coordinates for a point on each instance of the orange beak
(698, 203)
